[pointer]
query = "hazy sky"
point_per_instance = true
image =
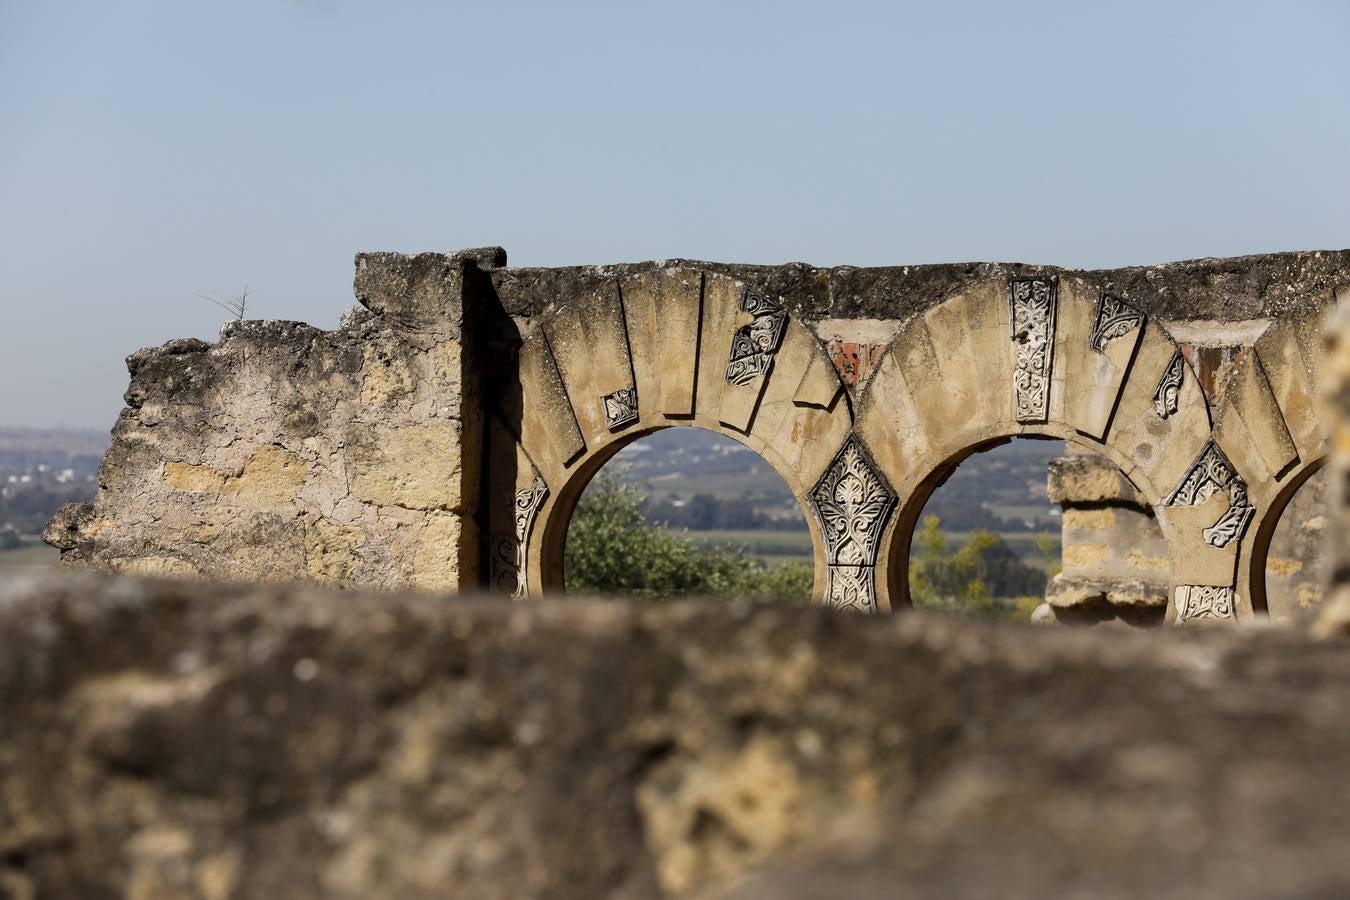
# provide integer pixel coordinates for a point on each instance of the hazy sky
(150, 152)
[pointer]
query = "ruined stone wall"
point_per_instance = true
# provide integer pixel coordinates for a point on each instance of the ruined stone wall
(441, 436)
(287, 452)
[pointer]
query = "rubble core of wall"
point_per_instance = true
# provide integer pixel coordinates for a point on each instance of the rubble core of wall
(185, 739)
(287, 452)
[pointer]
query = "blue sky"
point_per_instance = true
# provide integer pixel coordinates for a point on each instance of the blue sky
(151, 152)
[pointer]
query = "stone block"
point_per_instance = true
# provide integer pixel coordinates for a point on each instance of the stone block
(413, 466)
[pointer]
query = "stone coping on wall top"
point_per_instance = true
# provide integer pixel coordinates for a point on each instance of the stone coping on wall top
(1264, 286)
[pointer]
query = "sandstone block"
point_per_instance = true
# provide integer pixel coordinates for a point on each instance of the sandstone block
(413, 466)
(195, 478)
(271, 476)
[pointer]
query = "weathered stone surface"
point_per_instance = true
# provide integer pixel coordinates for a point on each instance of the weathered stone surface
(384, 424)
(1087, 478)
(182, 739)
(1237, 288)
(413, 466)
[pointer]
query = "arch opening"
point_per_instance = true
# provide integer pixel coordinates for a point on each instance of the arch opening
(1031, 527)
(679, 511)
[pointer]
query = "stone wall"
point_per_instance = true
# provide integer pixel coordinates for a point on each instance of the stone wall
(287, 452)
(183, 739)
(442, 435)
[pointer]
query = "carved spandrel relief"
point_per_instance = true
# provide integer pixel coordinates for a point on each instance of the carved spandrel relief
(1167, 396)
(1032, 303)
(754, 345)
(621, 408)
(1202, 601)
(509, 572)
(851, 587)
(1115, 319)
(852, 503)
(1211, 474)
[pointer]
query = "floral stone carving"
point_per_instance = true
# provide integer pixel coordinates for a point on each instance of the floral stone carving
(1210, 474)
(1202, 601)
(1032, 303)
(1115, 319)
(508, 560)
(1167, 396)
(852, 503)
(621, 408)
(754, 345)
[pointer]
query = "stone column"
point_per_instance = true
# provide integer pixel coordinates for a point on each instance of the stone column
(1114, 554)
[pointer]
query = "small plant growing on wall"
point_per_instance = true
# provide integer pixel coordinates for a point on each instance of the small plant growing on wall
(235, 306)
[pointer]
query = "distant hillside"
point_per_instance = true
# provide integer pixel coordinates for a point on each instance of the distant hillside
(702, 481)
(42, 468)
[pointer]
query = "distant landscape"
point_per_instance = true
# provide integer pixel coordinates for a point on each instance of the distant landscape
(721, 491)
(710, 486)
(40, 469)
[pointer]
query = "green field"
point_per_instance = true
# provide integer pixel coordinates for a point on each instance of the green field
(771, 547)
(787, 546)
(32, 553)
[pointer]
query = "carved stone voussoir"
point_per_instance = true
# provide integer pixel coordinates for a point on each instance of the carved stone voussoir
(1210, 474)
(509, 554)
(1115, 319)
(1167, 396)
(754, 345)
(621, 408)
(1202, 601)
(1032, 303)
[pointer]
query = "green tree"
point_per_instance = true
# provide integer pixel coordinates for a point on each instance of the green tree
(613, 549)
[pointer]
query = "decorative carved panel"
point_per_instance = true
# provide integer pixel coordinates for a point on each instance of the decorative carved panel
(1167, 396)
(1202, 601)
(852, 503)
(1032, 303)
(851, 587)
(1115, 319)
(621, 408)
(1210, 474)
(509, 572)
(754, 345)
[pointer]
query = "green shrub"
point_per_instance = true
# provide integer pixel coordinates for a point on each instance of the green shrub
(613, 549)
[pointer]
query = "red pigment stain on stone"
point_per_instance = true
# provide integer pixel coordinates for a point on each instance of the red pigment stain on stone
(854, 362)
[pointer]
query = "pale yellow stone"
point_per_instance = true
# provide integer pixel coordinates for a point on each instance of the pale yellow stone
(1283, 567)
(385, 373)
(270, 476)
(332, 552)
(1083, 555)
(413, 466)
(217, 876)
(714, 817)
(447, 367)
(189, 477)
(155, 567)
(1144, 561)
(436, 561)
(1090, 519)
